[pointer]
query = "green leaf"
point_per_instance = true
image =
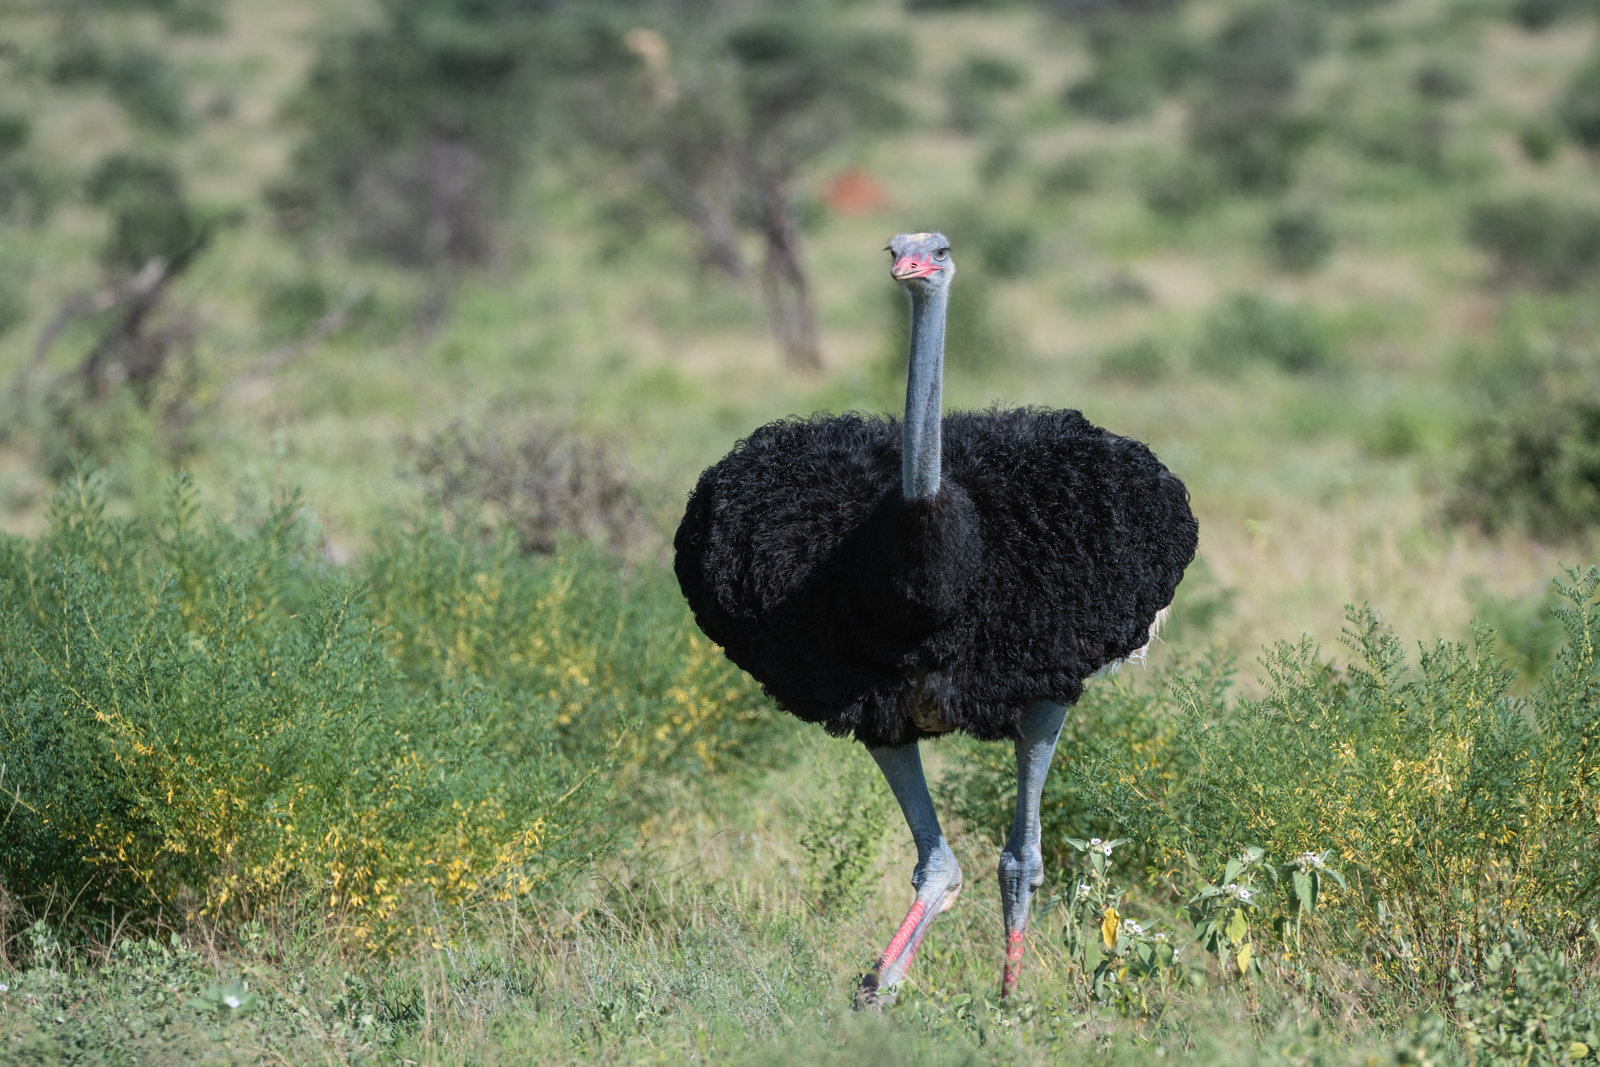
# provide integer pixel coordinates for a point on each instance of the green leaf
(1234, 867)
(1238, 926)
(1304, 891)
(1337, 877)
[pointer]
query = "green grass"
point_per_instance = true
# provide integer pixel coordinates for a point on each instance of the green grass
(731, 909)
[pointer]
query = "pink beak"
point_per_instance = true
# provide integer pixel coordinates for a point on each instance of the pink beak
(907, 267)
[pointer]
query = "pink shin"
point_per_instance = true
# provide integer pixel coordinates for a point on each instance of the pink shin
(897, 943)
(1013, 968)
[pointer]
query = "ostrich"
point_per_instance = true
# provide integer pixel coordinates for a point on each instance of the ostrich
(958, 573)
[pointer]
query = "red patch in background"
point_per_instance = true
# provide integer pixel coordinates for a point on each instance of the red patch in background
(854, 192)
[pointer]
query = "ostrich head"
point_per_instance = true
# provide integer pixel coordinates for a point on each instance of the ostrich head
(921, 261)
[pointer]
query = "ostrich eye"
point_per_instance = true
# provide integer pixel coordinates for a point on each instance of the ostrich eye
(942, 253)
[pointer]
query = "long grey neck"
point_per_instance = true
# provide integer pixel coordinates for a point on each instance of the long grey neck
(919, 448)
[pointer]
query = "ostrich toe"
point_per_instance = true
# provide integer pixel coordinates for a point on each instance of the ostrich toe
(938, 883)
(1021, 875)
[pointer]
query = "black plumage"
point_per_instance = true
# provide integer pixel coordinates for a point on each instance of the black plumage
(1045, 555)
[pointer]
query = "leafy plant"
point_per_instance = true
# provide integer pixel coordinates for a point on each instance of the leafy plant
(1538, 241)
(150, 216)
(845, 829)
(200, 716)
(1520, 1009)
(1141, 362)
(1579, 107)
(1250, 329)
(1221, 914)
(1299, 241)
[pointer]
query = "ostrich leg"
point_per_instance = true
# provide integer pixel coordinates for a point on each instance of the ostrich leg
(937, 877)
(1022, 861)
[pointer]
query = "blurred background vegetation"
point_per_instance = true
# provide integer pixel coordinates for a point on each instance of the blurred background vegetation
(486, 283)
(1335, 261)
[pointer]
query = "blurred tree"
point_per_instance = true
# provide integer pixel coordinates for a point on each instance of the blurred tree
(414, 127)
(721, 108)
(418, 127)
(1242, 119)
(1141, 53)
(150, 218)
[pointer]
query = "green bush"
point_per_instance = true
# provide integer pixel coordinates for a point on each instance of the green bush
(1538, 241)
(149, 215)
(1140, 362)
(1299, 241)
(1579, 108)
(1138, 59)
(1534, 464)
(1241, 120)
(971, 92)
(612, 661)
(1249, 329)
(150, 89)
(289, 307)
(1182, 190)
(1454, 809)
(206, 722)
(1520, 1009)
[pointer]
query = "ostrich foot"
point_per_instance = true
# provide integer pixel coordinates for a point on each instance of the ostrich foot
(937, 891)
(1020, 877)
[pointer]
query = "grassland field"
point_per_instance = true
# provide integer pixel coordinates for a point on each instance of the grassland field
(700, 940)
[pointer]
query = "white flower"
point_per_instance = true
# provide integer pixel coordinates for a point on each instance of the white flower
(1095, 843)
(1129, 926)
(4, 988)
(1244, 896)
(230, 1000)
(1083, 891)
(1106, 848)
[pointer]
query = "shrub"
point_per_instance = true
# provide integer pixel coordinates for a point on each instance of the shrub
(202, 721)
(1299, 241)
(1249, 329)
(1542, 14)
(611, 663)
(150, 89)
(972, 90)
(1520, 1008)
(1579, 108)
(1538, 241)
(545, 482)
(1140, 362)
(149, 215)
(1072, 175)
(191, 713)
(1008, 249)
(1241, 122)
(1439, 81)
(1138, 59)
(1183, 190)
(1540, 141)
(1454, 809)
(1534, 464)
